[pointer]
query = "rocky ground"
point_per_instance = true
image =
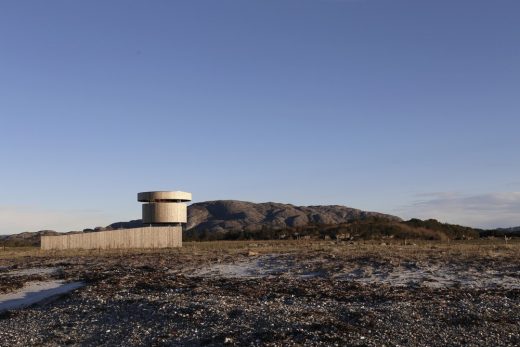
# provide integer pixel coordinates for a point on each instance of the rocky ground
(264, 294)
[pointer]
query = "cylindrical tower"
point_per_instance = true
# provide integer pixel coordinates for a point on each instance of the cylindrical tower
(164, 208)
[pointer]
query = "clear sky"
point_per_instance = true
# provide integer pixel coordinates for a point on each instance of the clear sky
(404, 107)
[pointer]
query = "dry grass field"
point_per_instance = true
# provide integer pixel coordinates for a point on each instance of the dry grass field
(481, 247)
(273, 293)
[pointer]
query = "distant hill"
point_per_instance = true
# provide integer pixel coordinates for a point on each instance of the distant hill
(221, 216)
(232, 220)
(26, 238)
(501, 232)
(511, 230)
(225, 215)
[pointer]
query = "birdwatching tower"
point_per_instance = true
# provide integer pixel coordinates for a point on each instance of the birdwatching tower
(164, 208)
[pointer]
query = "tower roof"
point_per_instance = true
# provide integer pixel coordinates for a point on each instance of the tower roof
(163, 196)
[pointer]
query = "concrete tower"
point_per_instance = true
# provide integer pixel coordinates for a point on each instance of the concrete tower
(164, 208)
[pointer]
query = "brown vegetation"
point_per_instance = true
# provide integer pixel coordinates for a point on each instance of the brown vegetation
(372, 228)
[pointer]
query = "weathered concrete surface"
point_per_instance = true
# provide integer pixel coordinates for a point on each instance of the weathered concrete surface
(148, 237)
(166, 212)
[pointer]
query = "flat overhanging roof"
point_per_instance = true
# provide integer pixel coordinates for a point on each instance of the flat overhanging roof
(164, 196)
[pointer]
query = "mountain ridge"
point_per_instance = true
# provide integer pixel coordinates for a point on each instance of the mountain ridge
(236, 215)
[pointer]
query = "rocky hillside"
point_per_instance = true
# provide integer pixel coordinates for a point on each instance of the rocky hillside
(231, 215)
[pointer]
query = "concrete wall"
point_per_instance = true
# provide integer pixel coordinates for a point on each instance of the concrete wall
(147, 237)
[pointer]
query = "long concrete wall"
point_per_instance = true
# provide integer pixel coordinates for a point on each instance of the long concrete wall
(147, 237)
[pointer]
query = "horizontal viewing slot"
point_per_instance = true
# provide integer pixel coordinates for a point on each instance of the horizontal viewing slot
(166, 200)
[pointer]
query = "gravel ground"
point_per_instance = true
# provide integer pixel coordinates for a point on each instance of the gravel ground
(178, 298)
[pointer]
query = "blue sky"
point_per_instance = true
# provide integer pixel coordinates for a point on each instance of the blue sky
(405, 107)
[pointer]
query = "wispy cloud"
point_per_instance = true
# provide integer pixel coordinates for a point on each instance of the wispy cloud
(16, 219)
(488, 210)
